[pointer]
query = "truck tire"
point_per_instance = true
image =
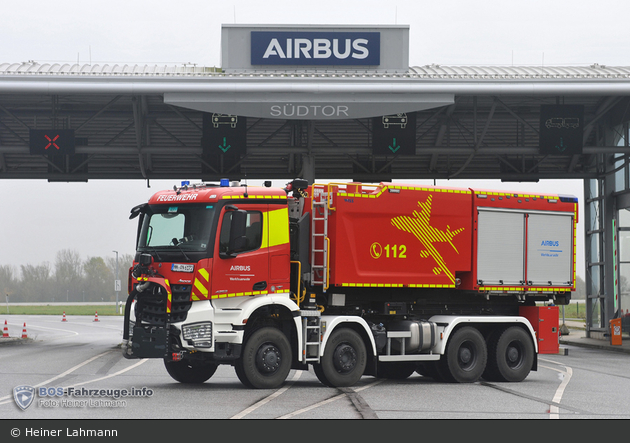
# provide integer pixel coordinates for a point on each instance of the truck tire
(344, 359)
(465, 357)
(266, 359)
(186, 371)
(510, 356)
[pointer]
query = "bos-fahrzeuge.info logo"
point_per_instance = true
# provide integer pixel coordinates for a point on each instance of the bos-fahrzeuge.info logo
(71, 397)
(23, 396)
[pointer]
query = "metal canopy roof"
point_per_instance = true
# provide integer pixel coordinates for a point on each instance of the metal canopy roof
(418, 72)
(126, 130)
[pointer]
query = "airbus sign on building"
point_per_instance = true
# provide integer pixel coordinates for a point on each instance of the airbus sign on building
(315, 48)
(264, 47)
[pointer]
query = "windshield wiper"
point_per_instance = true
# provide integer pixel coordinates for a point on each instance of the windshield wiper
(151, 250)
(176, 243)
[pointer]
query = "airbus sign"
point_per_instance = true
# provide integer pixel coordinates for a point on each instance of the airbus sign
(315, 48)
(309, 48)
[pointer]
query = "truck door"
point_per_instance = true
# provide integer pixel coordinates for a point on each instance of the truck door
(246, 272)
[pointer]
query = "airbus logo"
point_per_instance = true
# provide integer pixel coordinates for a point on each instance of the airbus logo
(318, 48)
(550, 243)
(315, 48)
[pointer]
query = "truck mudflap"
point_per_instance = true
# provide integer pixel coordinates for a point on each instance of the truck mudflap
(149, 342)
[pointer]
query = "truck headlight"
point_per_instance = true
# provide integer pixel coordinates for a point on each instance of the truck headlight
(200, 334)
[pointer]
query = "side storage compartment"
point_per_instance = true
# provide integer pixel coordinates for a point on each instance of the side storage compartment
(524, 249)
(550, 249)
(545, 321)
(501, 247)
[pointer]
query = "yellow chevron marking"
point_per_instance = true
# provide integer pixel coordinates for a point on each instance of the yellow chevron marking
(419, 225)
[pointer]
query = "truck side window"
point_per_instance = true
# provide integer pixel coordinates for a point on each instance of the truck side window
(253, 231)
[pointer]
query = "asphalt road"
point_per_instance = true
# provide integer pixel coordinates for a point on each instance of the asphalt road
(83, 355)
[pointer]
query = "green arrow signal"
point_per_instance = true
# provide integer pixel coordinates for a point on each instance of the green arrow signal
(394, 148)
(561, 148)
(225, 146)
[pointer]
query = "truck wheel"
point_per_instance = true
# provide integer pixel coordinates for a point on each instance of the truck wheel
(464, 360)
(186, 371)
(511, 355)
(266, 359)
(344, 359)
(395, 371)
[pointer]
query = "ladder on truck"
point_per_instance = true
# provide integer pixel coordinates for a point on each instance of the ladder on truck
(320, 243)
(311, 335)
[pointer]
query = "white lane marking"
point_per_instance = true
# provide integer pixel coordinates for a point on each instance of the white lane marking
(324, 402)
(565, 376)
(122, 371)
(72, 369)
(8, 398)
(267, 399)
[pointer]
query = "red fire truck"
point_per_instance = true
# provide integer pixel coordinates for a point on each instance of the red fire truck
(352, 279)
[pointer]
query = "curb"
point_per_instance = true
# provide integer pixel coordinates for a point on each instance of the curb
(14, 340)
(603, 346)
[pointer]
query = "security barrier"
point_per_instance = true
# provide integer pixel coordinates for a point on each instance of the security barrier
(615, 331)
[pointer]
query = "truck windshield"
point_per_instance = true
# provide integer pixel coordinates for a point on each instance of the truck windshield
(184, 228)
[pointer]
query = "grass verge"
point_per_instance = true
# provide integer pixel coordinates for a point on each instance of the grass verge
(60, 309)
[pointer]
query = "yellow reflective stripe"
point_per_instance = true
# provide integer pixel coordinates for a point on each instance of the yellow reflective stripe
(278, 227)
(243, 294)
(201, 288)
(520, 289)
(250, 196)
(275, 228)
(397, 285)
(264, 243)
(169, 296)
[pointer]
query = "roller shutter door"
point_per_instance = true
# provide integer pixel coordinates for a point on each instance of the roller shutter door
(500, 248)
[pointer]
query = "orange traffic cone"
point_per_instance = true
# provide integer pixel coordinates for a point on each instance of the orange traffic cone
(24, 331)
(96, 316)
(64, 316)
(5, 332)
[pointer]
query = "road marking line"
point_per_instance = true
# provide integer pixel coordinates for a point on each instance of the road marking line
(8, 398)
(53, 329)
(122, 371)
(324, 402)
(267, 399)
(554, 411)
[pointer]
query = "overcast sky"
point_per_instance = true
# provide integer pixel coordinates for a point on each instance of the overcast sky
(38, 218)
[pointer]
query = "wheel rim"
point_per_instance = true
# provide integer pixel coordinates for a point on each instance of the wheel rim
(467, 356)
(345, 358)
(514, 355)
(268, 358)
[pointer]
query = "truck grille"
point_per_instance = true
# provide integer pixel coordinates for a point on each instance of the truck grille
(151, 307)
(181, 302)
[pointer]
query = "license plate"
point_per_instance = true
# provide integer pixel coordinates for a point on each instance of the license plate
(180, 267)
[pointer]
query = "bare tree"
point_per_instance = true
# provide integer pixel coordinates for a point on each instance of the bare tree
(8, 280)
(69, 275)
(36, 283)
(99, 280)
